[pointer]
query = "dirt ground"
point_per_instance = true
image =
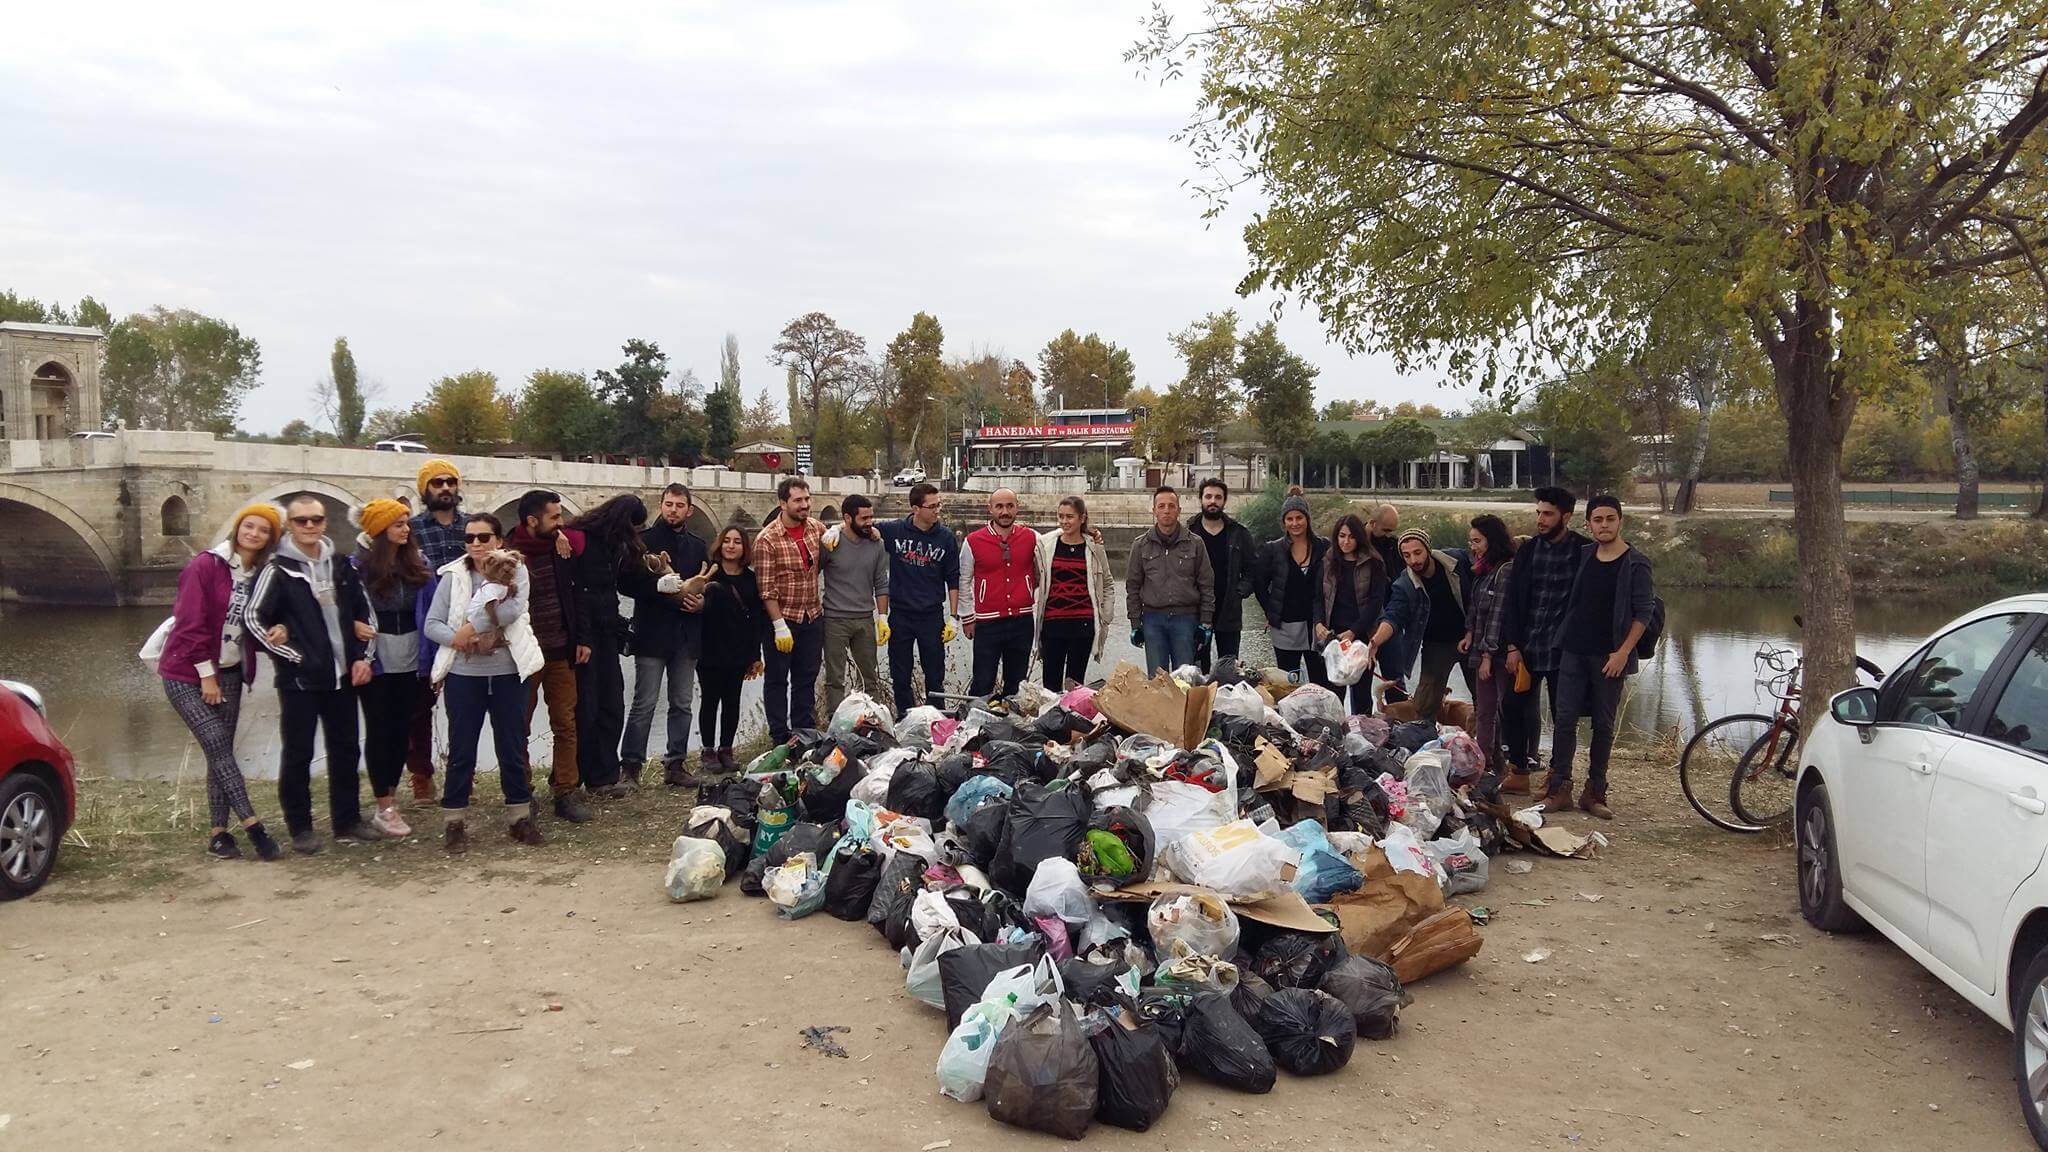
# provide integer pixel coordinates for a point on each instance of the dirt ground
(389, 997)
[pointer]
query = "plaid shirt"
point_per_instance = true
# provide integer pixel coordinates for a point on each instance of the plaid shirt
(1551, 569)
(1487, 610)
(787, 567)
(439, 544)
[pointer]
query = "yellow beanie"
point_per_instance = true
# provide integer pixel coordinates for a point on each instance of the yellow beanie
(378, 515)
(268, 513)
(433, 468)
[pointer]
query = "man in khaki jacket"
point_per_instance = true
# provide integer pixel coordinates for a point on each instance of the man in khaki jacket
(1171, 590)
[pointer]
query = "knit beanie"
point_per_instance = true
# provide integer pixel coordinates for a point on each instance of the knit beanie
(378, 515)
(270, 514)
(1414, 534)
(1295, 504)
(436, 467)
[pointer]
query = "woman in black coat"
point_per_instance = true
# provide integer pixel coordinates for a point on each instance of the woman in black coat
(735, 626)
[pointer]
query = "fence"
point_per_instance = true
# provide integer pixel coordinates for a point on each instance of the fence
(1910, 498)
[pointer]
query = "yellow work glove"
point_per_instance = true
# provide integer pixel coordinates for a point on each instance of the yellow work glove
(881, 630)
(946, 637)
(784, 642)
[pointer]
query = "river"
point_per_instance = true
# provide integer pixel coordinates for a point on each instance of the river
(110, 709)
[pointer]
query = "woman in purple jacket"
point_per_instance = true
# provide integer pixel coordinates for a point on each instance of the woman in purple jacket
(206, 660)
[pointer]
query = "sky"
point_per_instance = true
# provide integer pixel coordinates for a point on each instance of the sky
(513, 186)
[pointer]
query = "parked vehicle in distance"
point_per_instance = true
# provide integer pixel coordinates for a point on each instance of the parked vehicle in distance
(92, 435)
(1922, 810)
(401, 444)
(909, 476)
(38, 791)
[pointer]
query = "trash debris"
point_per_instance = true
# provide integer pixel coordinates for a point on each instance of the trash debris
(696, 870)
(819, 1037)
(1519, 867)
(1043, 1074)
(1536, 956)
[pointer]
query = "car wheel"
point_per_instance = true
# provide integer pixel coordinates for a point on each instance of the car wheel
(28, 834)
(2030, 1045)
(1820, 869)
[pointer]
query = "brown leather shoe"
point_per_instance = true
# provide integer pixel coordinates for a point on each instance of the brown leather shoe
(1595, 804)
(676, 774)
(1515, 783)
(727, 761)
(629, 772)
(456, 838)
(1557, 796)
(423, 788)
(523, 832)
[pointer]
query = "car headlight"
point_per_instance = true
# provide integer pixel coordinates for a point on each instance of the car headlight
(34, 698)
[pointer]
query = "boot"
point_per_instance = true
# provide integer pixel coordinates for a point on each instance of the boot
(573, 807)
(676, 774)
(629, 773)
(266, 848)
(726, 760)
(1594, 803)
(1557, 795)
(708, 764)
(456, 838)
(423, 788)
(1515, 784)
(523, 832)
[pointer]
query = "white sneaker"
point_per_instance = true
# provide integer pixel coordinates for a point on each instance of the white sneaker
(391, 824)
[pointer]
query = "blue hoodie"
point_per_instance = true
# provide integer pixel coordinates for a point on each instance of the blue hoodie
(922, 565)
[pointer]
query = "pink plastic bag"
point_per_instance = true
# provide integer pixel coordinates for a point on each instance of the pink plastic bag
(1080, 700)
(942, 731)
(1466, 760)
(1054, 930)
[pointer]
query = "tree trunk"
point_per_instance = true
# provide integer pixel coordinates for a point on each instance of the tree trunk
(1688, 488)
(2041, 509)
(1959, 442)
(1817, 407)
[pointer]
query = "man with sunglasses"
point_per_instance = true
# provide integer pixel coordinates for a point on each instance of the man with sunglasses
(786, 564)
(309, 610)
(924, 595)
(437, 529)
(999, 592)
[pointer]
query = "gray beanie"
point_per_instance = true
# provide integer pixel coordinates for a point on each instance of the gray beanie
(1295, 504)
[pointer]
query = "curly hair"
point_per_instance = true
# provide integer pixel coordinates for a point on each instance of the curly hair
(613, 528)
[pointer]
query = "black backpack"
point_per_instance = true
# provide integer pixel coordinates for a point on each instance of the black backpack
(1646, 648)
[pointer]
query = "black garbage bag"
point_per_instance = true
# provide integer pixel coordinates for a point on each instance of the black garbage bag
(850, 886)
(1236, 731)
(1165, 1009)
(964, 972)
(914, 791)
(1411, 735)
(998, 730)
(902, 877)
(754, 877)
(817, 839)
(807, 744)
(1093, 757)
(955, 770)
(1222, 1047)
(1059, 725)
(983, 836)
(1320, 729)
(1090, 984)
(1138, 1075)
(1008, 760)
(1371, 991)
(1298, 959)
(1492, 837)
(1250, 993)
(824, 801)
(1042, 1074)
(1128, 827)
(738, 794)
(1309, 1033)
(1044, 824)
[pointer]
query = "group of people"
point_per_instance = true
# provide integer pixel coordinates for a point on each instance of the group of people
(447, 608)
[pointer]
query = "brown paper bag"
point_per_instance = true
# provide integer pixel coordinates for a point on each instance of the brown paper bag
(1442, 941)
(1272, 765)
(1158, 707)
(1391, 903)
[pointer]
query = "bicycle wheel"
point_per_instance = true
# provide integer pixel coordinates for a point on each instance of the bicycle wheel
(1709, 762)
(1762, 789)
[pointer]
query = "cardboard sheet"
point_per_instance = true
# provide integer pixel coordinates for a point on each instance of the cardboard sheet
(1390, 904)
(1287, 910)
(1158, 707)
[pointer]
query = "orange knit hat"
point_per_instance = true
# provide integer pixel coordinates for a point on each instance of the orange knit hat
(380, 514)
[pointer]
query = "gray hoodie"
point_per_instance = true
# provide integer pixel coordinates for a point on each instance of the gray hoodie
(321, 570)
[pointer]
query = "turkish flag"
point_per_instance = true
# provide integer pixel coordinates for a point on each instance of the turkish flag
(772, 459)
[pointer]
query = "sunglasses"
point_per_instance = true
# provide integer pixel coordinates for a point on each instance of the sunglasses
(443, 482)
(479, 537)
(309, 521)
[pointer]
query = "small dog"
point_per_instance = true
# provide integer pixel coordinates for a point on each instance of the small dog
(499, 569)
(660, 565)
(1456, 713)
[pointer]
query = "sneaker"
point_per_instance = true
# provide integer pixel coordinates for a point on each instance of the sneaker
(306, 842)
(1595, 804)
(725, 759)
(361, 832)
(266, 848)
(1515, 783)
(571, 806)
(677, 775)
(391, 824)
(456, 838)
(523, 832)
(423, 788)
(223, 847)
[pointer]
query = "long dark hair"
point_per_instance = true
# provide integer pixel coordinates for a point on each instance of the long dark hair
(1080, 508)
(1367, 554)
(718, 548)
(386, 565)
(614, 528)
(1500, 547)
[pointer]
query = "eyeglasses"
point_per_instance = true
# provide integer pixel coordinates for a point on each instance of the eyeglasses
(309, 521)
(479, 537)
(931, 507)
(442, 482)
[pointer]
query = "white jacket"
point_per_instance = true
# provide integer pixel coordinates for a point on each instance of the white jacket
(518, 635)
(1101, 587)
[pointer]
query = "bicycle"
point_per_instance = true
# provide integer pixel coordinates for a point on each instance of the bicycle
(1754, 753)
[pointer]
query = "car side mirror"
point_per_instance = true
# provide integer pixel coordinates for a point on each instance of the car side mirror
(1856, 708)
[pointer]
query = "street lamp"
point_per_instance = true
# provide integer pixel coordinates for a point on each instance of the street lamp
(1097, 377)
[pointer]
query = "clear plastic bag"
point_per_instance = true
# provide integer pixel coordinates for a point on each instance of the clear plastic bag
(916, 725)
(1197, 972)
(1237, 860)
(858, 709)
(922, 978)
(1463, 867)
(797, 889)
(1240, 700)
(963, 1061)
(1056, 890)
(696, 870)
(1347, 661)
(1203, 922)
(1311, 701)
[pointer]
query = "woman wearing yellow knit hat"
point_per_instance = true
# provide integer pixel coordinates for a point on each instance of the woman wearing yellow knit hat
(393, 575)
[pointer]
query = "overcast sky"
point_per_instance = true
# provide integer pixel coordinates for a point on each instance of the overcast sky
(455, 184)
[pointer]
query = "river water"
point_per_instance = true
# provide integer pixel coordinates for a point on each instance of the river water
(110, 708)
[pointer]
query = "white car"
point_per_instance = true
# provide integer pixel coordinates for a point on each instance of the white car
(908, 477)
(1923, 811)
(401, 444)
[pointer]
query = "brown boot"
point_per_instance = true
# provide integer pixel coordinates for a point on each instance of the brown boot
(629, 773)
(1557, 796)
(1515, 784)
(676, 774)
(523, 832)
(708, 764)
(727, 761)
(423, 788)
(456, 838)
(1595, 804)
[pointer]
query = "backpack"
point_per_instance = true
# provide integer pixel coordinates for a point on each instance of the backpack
(1646, 648)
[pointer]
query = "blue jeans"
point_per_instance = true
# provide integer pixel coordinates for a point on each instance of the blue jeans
(1169, 640)
(470, 699)
(680, 668)
(792, 689)
(915, 638)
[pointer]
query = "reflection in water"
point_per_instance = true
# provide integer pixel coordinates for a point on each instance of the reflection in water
(110, 709)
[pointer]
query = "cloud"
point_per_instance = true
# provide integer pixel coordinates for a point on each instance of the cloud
(525, 185)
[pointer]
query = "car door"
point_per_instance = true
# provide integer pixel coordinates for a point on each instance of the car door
(1987, 824)
(1888, 783)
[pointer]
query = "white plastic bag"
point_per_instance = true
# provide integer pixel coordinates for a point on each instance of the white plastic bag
(1310, 701)
(1405, 852)
(696, 869)
(1463, 866)
(1240, 700)
(1179, 810)
(1056, 890)
(797, 888)
(153, 648)
(1031, 698)
(857, 708)
(1201, 921)
(912, 834)
(1347, 661)
(1026, 986)
(916, 725)
(963, 1061)
(922, 979)
(930, 915)
(1237, 860)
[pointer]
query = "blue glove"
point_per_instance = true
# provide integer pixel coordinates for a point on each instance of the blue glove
(1204, 633)
(1137, 635)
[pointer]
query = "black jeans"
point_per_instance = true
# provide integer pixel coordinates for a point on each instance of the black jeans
(334, 712)
(1583, 690)
(1005, 643)
(718, 719)
(1318, 672)
(916, 638)
(1526, 711)
(600, 707)
(792, 691)
(1222, 645)
(1064, 647)
(389, 701)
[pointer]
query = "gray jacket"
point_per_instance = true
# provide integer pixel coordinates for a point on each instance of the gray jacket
(1170, 576)
(855, 572)
(1634, 597)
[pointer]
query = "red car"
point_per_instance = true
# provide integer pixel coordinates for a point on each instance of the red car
(38, 791)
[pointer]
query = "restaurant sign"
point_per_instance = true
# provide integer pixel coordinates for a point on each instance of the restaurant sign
(1051, 431)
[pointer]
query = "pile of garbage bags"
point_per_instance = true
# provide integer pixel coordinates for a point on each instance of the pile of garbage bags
(1107, 890)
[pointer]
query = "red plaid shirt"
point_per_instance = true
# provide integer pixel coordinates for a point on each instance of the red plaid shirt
(786, 563)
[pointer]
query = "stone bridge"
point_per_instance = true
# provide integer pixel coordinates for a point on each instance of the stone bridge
(113, 520)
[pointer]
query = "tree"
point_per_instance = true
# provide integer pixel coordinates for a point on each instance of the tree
(1077, 369)
(1347, 410)
(90, 313)
(464, 411)
(1174, 424)
(761, 420)
(729, 366)
(721, 423)
(632, 391)
(385, 423)
(1587, 430)
(1495, 186)
(1280, 389)
(348, 394)
(1393, 443)
(1208, 349)
(916, 357)
(991, 388)
(823, 359)
(298, 432)
(1474, 434)
(177, 370)
(560, 414)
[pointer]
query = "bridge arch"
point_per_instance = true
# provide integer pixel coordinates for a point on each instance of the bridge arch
(504, 504)
(52, 555)
(336, 501)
